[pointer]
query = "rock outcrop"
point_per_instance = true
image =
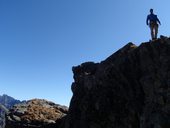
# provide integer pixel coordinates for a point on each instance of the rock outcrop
(36, 113)
(130, 89)
(6, 102)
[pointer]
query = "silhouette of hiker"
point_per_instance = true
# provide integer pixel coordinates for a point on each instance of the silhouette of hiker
(153, 24)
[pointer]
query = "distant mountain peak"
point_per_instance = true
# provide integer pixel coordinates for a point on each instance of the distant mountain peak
(6, 102)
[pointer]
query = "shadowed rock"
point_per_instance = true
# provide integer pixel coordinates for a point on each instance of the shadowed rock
(130, 89)
(3, 108)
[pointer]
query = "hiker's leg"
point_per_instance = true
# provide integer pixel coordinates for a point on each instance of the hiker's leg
(156, 31)
(152, 32)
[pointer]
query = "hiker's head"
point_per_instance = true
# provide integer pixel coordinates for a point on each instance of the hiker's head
(151, 10)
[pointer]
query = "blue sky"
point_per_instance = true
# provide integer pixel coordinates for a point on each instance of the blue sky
(40, 40)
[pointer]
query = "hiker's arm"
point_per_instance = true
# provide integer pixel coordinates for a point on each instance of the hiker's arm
(147, 19)
(158, 21)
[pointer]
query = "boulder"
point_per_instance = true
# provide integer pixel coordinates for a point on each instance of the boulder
(35, 113)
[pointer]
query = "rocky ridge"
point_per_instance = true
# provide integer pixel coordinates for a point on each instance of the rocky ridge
(35, 113)
(130, 89)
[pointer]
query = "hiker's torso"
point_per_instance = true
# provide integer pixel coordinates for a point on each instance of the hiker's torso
(152, 18)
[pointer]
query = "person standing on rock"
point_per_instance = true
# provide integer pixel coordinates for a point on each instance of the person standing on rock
(152, 20)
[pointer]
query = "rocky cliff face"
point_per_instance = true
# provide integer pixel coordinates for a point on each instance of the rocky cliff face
(6, 102)
(36, 113)
(130, 89)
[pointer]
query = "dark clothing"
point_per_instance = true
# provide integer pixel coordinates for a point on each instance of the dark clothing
(152, 18)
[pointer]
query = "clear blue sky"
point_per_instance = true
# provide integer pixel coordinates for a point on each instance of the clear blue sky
(40, 40)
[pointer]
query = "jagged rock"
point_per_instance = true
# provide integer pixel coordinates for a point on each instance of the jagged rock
(130, 89)
(35, 113)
